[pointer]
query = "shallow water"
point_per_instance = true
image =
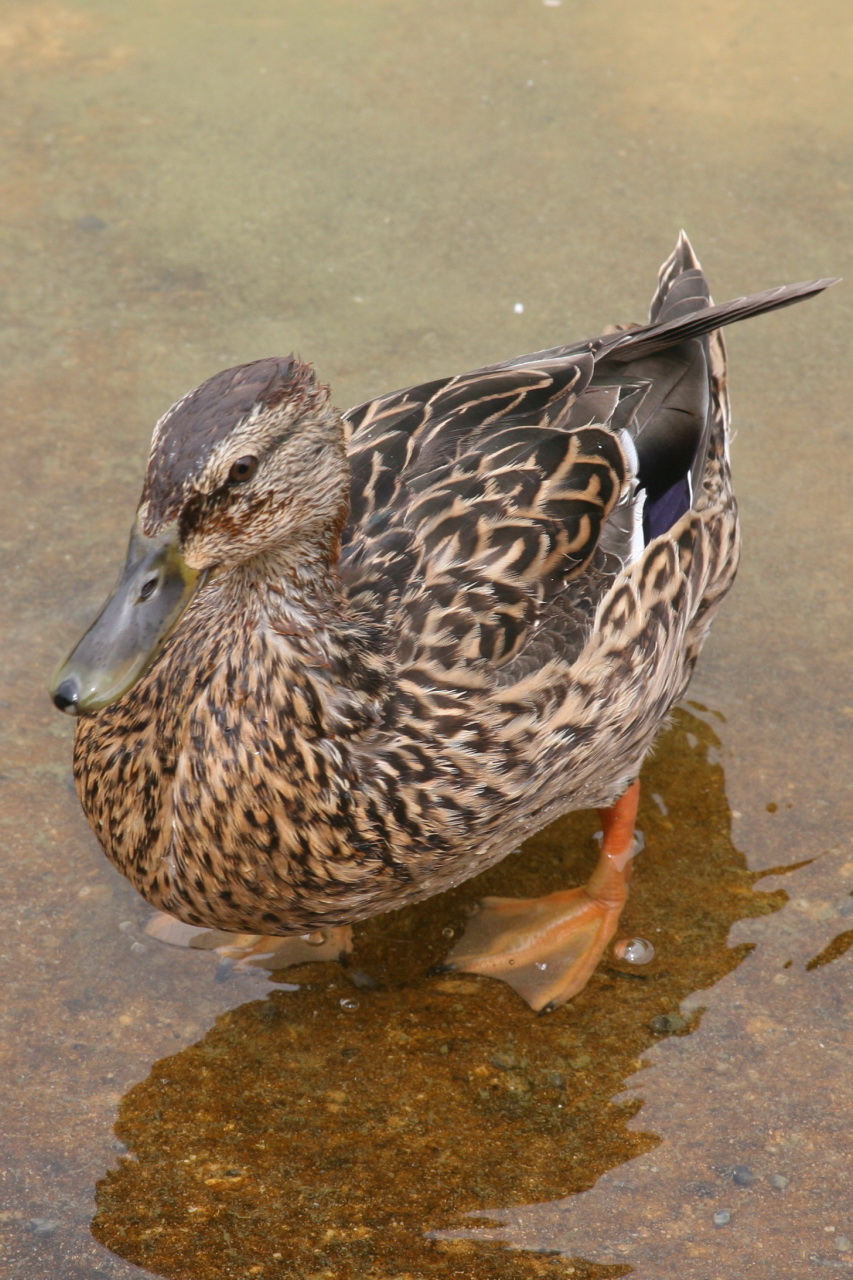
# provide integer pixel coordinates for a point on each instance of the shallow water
(193, 184)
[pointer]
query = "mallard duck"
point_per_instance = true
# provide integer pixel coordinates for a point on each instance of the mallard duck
(353, 660)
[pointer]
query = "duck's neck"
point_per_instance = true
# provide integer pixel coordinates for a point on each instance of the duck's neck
(303, 572)
(288, 617)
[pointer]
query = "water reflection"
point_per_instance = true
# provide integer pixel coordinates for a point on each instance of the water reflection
(319, 1132)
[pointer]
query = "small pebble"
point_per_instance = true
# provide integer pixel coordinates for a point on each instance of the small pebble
(555, 1080)
(666, 1024)
(742, 1176)
(634, 950)
(504, 1061)
(722, 1218)
(42, 1226)
(779, 1181)
(363, 980)
(843, 1244)
(91, 222)
(349, 1003)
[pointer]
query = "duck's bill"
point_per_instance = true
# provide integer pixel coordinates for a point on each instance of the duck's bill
(154, 588)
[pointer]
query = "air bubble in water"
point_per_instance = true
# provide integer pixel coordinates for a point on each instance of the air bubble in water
(634, 950)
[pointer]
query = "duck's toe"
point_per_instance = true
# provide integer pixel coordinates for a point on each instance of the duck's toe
(254, 950)
(544, 948)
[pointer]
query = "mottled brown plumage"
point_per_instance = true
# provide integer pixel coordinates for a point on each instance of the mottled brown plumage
(427, 627)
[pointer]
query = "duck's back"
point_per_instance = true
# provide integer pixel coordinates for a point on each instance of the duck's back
(492, 512)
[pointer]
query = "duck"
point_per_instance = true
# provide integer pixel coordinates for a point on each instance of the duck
(354, 659)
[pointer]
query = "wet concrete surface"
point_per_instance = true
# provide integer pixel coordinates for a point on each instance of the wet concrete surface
(377, 186)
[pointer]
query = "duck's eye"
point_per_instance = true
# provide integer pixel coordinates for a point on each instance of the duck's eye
(242, 470)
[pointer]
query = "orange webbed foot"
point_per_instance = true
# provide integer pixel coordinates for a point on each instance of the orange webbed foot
(544, 948)
(241, 951)
(547, 948)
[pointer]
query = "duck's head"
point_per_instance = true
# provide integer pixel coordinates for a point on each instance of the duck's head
(249, 464)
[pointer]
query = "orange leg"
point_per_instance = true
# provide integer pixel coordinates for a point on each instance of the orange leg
(547, 948)
(254, 950)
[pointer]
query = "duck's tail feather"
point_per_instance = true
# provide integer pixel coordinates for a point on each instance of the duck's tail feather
(682, 287)
(635, 344)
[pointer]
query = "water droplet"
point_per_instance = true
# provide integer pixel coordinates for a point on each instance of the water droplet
(349, 1003)
(317, 939)
(510, 960)
(634, 950)
(448, 931)
(541, 964)
(519, 308)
